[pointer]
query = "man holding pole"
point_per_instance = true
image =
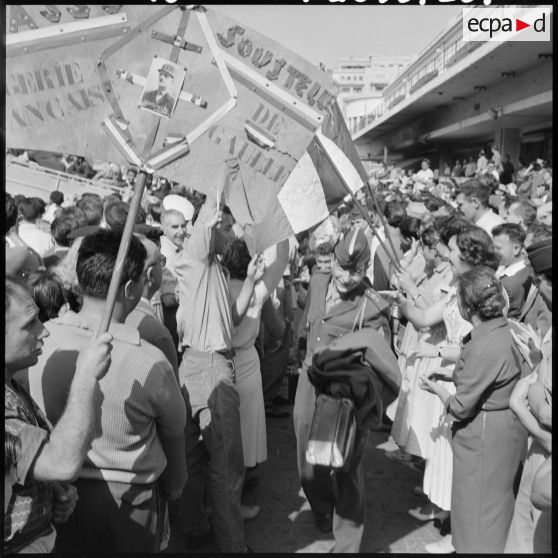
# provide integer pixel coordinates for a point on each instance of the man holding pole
(136, 461)
(43, 459)
(205, 321)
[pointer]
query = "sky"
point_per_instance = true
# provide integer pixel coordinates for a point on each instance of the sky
(327, 33)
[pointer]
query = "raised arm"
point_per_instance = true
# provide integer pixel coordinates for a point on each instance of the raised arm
(538, 404)
(276, 259)
(62, 456)
(256, 269)
(423, 318)
(199, 243)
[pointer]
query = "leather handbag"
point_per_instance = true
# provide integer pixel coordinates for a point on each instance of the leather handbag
(332, 433)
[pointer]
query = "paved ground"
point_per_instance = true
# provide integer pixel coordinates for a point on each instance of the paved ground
(286, 523)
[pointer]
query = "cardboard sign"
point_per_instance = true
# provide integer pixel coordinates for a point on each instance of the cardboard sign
(84, 85)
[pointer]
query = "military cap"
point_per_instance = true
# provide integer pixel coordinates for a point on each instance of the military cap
(352, 250)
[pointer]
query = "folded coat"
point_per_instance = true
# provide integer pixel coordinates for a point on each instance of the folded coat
(359, 366)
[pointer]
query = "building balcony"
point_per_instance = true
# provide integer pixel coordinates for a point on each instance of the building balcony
(423, 80)
(395, 101)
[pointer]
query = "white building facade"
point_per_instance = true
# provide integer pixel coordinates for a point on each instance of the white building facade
(361, 82)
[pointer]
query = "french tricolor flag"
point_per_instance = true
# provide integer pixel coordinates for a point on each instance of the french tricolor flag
(327, 172)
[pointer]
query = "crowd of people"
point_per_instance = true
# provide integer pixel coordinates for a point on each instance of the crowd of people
(435, 294)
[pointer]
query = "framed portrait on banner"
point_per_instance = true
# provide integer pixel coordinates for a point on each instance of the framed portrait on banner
(162, 87)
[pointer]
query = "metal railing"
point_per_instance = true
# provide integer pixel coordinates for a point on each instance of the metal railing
(436, 60)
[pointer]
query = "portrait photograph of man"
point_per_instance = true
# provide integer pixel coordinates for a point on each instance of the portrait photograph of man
(162, 87)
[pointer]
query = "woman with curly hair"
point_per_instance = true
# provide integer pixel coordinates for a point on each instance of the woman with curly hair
(488, 439)
(412, 420)
(47, 291)
(467, 247)
(414, 415)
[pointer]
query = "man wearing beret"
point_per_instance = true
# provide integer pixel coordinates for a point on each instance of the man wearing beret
(336, 302)
(531, 400)
(160, 100)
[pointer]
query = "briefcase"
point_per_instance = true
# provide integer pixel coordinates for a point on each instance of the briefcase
(332, 433)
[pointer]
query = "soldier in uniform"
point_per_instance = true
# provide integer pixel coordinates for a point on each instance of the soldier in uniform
(334, 305)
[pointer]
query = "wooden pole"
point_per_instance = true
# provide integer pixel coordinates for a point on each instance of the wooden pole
(122, 253)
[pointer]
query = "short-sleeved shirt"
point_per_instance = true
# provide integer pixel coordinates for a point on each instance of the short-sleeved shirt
(40, 241)
(144, 319)
(141, 398)
(29, 513)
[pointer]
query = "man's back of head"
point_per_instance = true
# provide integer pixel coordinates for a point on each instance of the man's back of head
(62, 226)
(97, 259)
(394, 212)
(116, 214)
(522, 212)
(537, 232)
(11, 213)
(92, 206)
(57, 197)
(29, 210)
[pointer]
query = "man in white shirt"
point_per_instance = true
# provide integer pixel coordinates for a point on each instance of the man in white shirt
(56, 201)
(496, 158)
(472, 201)
(40, 241)
(175, 231)
(523, 213)
(423, 176)
(491, 171)
(482, 163)
(515, 274)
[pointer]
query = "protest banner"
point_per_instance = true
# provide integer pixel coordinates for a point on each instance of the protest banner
(85, 81)
(179, 87)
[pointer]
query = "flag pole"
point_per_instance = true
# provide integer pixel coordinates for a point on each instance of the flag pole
(384, 222)
(122, 253)
(373, 229)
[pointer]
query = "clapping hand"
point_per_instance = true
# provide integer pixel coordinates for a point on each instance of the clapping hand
(436, 389)
(405, 282)
(256, 268)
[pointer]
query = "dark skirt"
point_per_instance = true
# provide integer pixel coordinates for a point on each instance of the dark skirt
(487, 452)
